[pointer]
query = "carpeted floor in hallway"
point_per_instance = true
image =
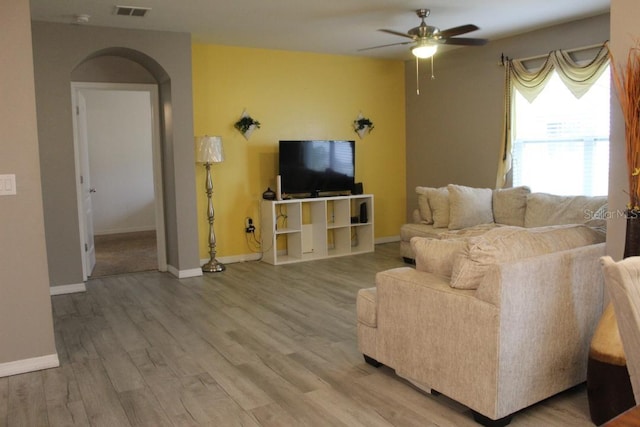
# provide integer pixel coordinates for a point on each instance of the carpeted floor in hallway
(125, 253)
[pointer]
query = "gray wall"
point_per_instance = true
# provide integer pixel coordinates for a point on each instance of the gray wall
(454, 127)
(58, 50)
(26, 326)
(111, 69)
(624, 35)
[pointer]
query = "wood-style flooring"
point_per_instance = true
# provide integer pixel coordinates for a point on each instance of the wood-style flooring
(256, 345)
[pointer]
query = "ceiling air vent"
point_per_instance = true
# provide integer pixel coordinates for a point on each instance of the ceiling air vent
(131, 10)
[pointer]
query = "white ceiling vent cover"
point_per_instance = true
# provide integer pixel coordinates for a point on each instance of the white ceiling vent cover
(131, 10)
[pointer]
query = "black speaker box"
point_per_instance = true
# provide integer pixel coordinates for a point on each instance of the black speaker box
(358, 188)
(363, 213)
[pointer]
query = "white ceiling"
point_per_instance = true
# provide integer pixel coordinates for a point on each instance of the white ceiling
(324, 26)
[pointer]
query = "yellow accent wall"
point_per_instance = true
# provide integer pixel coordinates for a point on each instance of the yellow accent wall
(294, 95)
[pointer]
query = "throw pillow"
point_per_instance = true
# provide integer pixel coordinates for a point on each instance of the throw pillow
(510, 205)
(549, 209)
(423, 205)
(508, 243)
(469, 206)
(439, 204)
(436, 256)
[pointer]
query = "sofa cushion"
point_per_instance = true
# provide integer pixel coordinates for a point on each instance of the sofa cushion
(423, 205)
(366, 307)
(407, 231)
(509, 205)
(507, 243)
(476, 230)
(549, 209)
(469, 206)
(436, 256)
(439, 204)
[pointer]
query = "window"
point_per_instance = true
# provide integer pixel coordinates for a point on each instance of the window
(561, 143)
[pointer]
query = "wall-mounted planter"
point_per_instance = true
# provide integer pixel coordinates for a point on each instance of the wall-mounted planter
(362, 126)
(246, 125)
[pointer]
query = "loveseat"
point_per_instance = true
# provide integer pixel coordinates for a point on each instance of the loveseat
(457, 210)
(495, 317)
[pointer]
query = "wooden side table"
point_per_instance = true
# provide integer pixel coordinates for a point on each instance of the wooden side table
(608, 385)
(629, 418)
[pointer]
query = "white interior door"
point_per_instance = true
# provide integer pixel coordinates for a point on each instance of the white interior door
(86, 207)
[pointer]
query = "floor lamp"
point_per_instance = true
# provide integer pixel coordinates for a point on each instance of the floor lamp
(210, 151)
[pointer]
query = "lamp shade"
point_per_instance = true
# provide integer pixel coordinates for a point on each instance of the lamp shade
(424, 49)
(210, 149)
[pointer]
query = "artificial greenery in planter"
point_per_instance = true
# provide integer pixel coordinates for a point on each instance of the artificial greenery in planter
(246, 125)
(362, 126)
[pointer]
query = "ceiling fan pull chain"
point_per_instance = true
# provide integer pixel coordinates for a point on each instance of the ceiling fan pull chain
(417, 76)
(433, 77)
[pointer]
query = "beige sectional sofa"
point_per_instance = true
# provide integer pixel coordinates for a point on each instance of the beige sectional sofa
(494, 317)
(458, 210)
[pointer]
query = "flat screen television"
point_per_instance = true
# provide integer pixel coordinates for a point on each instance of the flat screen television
(312, 167)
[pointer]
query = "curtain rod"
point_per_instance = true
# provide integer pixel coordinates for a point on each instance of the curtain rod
(504, 58)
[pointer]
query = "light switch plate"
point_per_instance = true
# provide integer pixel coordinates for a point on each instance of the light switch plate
(7, 185)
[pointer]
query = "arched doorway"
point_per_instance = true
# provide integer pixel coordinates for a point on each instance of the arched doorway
(115, 78)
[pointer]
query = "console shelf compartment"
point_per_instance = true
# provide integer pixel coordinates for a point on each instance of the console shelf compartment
(298, 230)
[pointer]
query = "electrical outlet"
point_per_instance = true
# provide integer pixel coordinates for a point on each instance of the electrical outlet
(248, 226)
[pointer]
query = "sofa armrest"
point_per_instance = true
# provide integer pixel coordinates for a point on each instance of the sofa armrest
(415, 216)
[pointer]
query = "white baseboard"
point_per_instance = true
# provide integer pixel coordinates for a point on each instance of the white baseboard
(67, 289)
(236, 258)
(256, 256)
(184, 274)
(29, 365)
(124, 230)
(389, 239)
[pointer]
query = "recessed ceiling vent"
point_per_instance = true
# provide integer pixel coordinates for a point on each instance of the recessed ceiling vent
(131, 10)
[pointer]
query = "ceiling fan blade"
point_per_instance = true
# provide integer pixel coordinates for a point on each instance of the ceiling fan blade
(384, 45)
(456, 31)
(463, 41)
(397, 33)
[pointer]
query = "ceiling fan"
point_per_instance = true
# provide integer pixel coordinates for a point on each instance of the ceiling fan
(427, 38)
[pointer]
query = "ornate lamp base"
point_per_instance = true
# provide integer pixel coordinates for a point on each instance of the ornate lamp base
(213, 266)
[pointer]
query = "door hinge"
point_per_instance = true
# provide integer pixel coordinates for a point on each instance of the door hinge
(81, 179)
(77, 110)
(86, 247)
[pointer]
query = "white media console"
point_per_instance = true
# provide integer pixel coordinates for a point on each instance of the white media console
(297, 230)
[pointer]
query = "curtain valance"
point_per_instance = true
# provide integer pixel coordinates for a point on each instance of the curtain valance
(578, 78)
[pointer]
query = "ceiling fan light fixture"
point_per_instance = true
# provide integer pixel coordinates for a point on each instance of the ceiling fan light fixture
(424, 49)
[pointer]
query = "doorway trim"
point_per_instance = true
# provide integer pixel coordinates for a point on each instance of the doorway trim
(156, 150)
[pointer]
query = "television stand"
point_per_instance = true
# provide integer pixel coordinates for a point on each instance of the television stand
(298, 230)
